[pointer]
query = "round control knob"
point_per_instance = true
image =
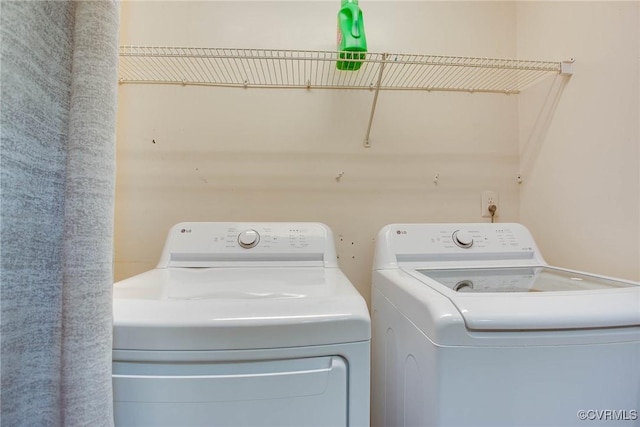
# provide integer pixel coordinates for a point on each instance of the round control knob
(462, 239)
(248, 238)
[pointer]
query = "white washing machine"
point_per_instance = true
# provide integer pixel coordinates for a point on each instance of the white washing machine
(472, 328)
(242, 324)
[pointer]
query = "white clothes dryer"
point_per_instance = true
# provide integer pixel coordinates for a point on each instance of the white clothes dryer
(242, 324)
(472, 328)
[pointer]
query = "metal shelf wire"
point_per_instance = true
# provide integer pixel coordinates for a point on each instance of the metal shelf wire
(305, 69)
(264, 68)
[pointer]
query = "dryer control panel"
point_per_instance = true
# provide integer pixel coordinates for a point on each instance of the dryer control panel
(455, 244)
(211, 244)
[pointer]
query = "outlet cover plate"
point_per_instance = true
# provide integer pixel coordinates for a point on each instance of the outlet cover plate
(489, 198)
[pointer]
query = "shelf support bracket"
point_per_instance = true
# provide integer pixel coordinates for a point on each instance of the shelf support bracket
(566, 67)
(367, 144)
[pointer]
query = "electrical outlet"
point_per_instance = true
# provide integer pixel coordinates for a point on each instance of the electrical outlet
(489, 198)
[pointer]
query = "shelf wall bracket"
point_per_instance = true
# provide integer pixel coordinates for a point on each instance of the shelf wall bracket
(566, 67)
(367, 142)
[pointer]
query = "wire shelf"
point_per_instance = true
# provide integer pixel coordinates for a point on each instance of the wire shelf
(263, 68)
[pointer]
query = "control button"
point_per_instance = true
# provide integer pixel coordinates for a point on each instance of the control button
(462, 239)
(248, 238)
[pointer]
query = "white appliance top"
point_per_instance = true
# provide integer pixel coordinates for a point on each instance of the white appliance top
(219, 288)
(496, 278)
(520, 279)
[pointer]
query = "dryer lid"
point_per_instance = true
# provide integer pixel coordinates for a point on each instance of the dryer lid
(536, 298)
(237, 308)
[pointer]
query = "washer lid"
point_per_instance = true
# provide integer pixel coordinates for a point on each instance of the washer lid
(536, 298)
(237, 308)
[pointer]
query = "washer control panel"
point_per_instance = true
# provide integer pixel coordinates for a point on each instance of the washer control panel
(215, 243)
(453, 243)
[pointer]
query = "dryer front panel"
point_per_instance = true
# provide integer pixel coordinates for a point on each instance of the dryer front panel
(293, 392)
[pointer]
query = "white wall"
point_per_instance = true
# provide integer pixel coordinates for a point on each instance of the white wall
(580, 152)
(272, 155)
(235, 154)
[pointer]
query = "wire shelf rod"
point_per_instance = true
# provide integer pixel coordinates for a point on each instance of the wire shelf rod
(371, 57)
(317, 69)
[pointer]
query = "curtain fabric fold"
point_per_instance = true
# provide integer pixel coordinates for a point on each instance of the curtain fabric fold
(58, 70)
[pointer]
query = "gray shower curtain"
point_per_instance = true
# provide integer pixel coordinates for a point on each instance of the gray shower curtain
(58, 70)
